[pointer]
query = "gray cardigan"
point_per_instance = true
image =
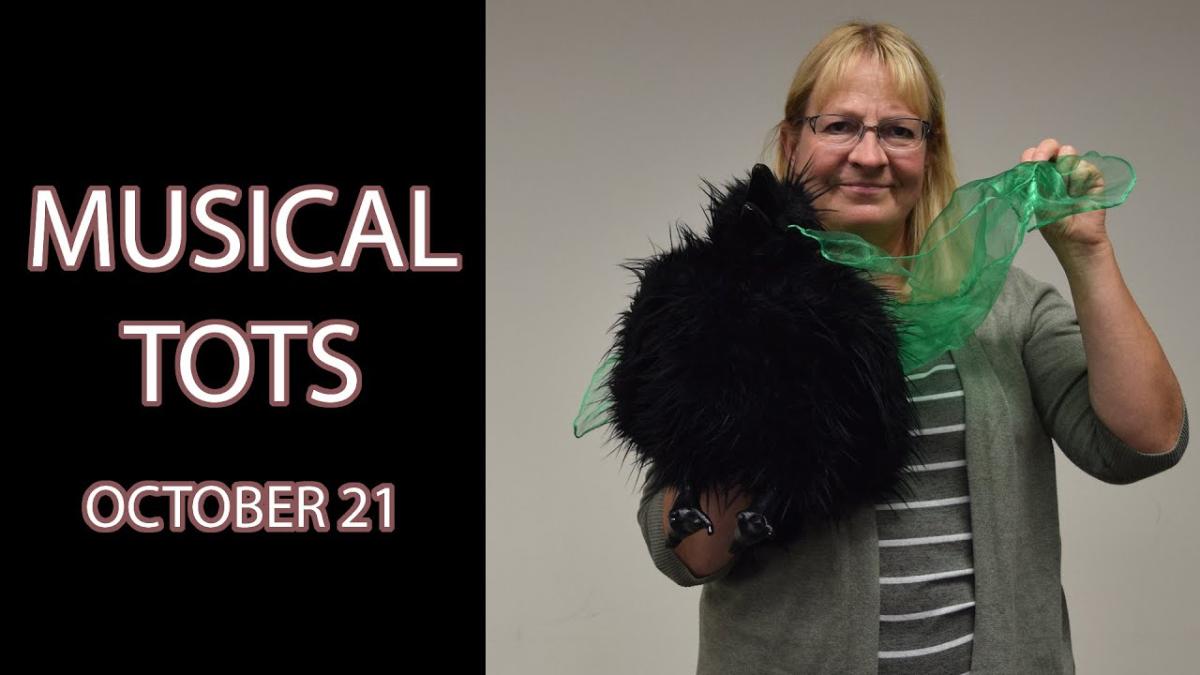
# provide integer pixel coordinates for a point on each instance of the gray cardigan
(814, 607)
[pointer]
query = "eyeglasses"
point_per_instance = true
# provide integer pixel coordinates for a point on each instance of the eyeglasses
(897, 133)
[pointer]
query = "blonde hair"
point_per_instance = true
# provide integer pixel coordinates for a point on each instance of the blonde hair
(915, 82)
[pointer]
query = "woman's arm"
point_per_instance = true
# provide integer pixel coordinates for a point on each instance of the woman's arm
(1130, 383)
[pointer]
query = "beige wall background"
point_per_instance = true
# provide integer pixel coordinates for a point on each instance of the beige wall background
(602, 117)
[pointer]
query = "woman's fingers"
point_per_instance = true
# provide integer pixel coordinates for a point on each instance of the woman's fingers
(1046, 149)
(1043, 151)
(1081, 176)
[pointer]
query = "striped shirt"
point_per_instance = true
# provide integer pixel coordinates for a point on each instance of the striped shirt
(926, 568)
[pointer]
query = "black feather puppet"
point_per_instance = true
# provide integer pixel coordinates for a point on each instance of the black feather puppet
(748, 362)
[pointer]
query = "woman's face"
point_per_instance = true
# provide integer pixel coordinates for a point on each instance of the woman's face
(877, 215)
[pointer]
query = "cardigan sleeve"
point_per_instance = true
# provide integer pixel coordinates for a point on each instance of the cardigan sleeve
(1057, 370)
(650, 520)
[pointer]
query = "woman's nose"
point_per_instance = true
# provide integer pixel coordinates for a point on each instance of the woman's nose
(867, 151)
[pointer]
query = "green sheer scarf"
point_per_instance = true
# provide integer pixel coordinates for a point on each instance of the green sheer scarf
(950, 284)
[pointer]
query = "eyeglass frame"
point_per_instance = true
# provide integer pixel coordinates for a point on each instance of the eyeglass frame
(863, 128)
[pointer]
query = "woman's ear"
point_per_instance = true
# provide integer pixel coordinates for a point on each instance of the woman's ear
(787, 142)
(787, 139)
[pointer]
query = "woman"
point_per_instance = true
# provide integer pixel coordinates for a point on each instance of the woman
(966, 575)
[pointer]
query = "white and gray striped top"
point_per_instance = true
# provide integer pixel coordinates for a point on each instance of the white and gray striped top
(926, 568)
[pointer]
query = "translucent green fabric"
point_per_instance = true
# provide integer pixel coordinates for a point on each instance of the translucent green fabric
(959, 270)
(951, 283)
(593, 409)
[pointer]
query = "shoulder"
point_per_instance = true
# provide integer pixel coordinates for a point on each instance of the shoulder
(1024, 298)
(1008, 319)
(1025, 307)
(1022, 289)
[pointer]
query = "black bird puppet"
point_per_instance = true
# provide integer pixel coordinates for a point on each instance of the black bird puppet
(756, 360)
(746, 362)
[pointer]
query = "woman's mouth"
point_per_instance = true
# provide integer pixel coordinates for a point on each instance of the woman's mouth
(863, 189)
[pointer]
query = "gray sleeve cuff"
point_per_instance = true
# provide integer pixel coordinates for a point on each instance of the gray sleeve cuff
(1132, 465)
